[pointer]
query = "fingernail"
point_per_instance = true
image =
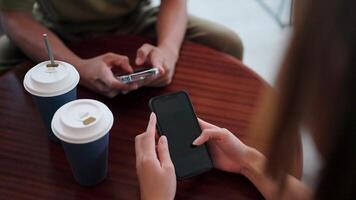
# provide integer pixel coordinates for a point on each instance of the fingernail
(151, 115)
(163, 139)
(195, 142)
(138, 61)
(133, 86)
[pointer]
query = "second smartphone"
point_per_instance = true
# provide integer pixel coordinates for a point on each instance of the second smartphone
(176, 120)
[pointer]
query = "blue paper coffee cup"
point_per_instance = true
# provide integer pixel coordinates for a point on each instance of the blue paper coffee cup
(83, 127)
(51, 87)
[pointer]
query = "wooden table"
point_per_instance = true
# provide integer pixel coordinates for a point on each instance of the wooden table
(222, 89)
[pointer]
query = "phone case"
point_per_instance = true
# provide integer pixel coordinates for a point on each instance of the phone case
(139, 76)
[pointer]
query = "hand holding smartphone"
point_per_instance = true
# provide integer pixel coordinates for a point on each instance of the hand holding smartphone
(176, 120)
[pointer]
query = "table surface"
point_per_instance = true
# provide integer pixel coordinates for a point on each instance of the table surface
(223, 92)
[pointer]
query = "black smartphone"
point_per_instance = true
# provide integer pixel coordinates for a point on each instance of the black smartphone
(177, 120)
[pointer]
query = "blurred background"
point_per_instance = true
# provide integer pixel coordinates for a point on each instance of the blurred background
(1, 31)
(265, 29)
(263, 37)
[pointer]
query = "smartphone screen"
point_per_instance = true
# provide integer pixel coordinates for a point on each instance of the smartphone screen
(176, 120)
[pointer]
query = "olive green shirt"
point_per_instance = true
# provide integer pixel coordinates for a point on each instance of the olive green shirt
(80, 16)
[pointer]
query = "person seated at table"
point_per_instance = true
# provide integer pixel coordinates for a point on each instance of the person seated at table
(316, 89)
(25, 21)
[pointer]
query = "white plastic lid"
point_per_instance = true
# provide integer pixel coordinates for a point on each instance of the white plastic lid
(45, 81)
(82, 121)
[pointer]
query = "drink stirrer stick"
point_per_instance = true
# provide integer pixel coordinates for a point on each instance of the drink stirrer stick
(49, 51)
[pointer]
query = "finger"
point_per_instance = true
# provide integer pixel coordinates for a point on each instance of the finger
(123, 63)
(138, 146)
(148, 141)
(164, 77)
(116, 60)
(112, 93)
(107, 76)
(160, 82)
(125, 92)
(142, 83)
(157, 62)
(100, 86)
(204, 125)
(142, 53)
(151, 127)
(155, 82)
(207, 134)
(116, 84)
(110, 81)
(163, 152)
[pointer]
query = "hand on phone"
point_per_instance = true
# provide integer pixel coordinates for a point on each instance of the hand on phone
(96, 73)
(227, 151)
(177, 120)
(163, 58)
(154, 166)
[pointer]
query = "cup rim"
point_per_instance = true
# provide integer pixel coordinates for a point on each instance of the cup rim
(107, 120)
(74, 78)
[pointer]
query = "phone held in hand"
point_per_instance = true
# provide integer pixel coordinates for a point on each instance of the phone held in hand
(140, 75)
(177, 120)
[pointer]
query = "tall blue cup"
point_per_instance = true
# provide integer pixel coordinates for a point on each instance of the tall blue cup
(51, 87)
(49, 105)
(83, 127)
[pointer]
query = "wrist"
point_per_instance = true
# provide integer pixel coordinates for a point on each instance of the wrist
(70, 58)
(251, 161)
(254, 169)
(174, 50)
(78, 63)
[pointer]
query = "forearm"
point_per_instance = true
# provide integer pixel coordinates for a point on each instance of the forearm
(26, 33)
(254, 170)
(171, 24)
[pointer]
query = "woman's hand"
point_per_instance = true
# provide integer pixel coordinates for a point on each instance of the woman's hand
(161, 57)
(227, 151)
(155, 170)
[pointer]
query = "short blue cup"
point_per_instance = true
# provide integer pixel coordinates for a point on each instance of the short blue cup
(51, 87)
(89, 162)
(83, 126)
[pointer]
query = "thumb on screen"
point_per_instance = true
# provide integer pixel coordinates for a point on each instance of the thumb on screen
(207, 134)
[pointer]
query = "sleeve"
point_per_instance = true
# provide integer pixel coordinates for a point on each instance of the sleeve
(17, 5)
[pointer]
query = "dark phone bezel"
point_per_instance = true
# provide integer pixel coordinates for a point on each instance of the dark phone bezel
(150, 104)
